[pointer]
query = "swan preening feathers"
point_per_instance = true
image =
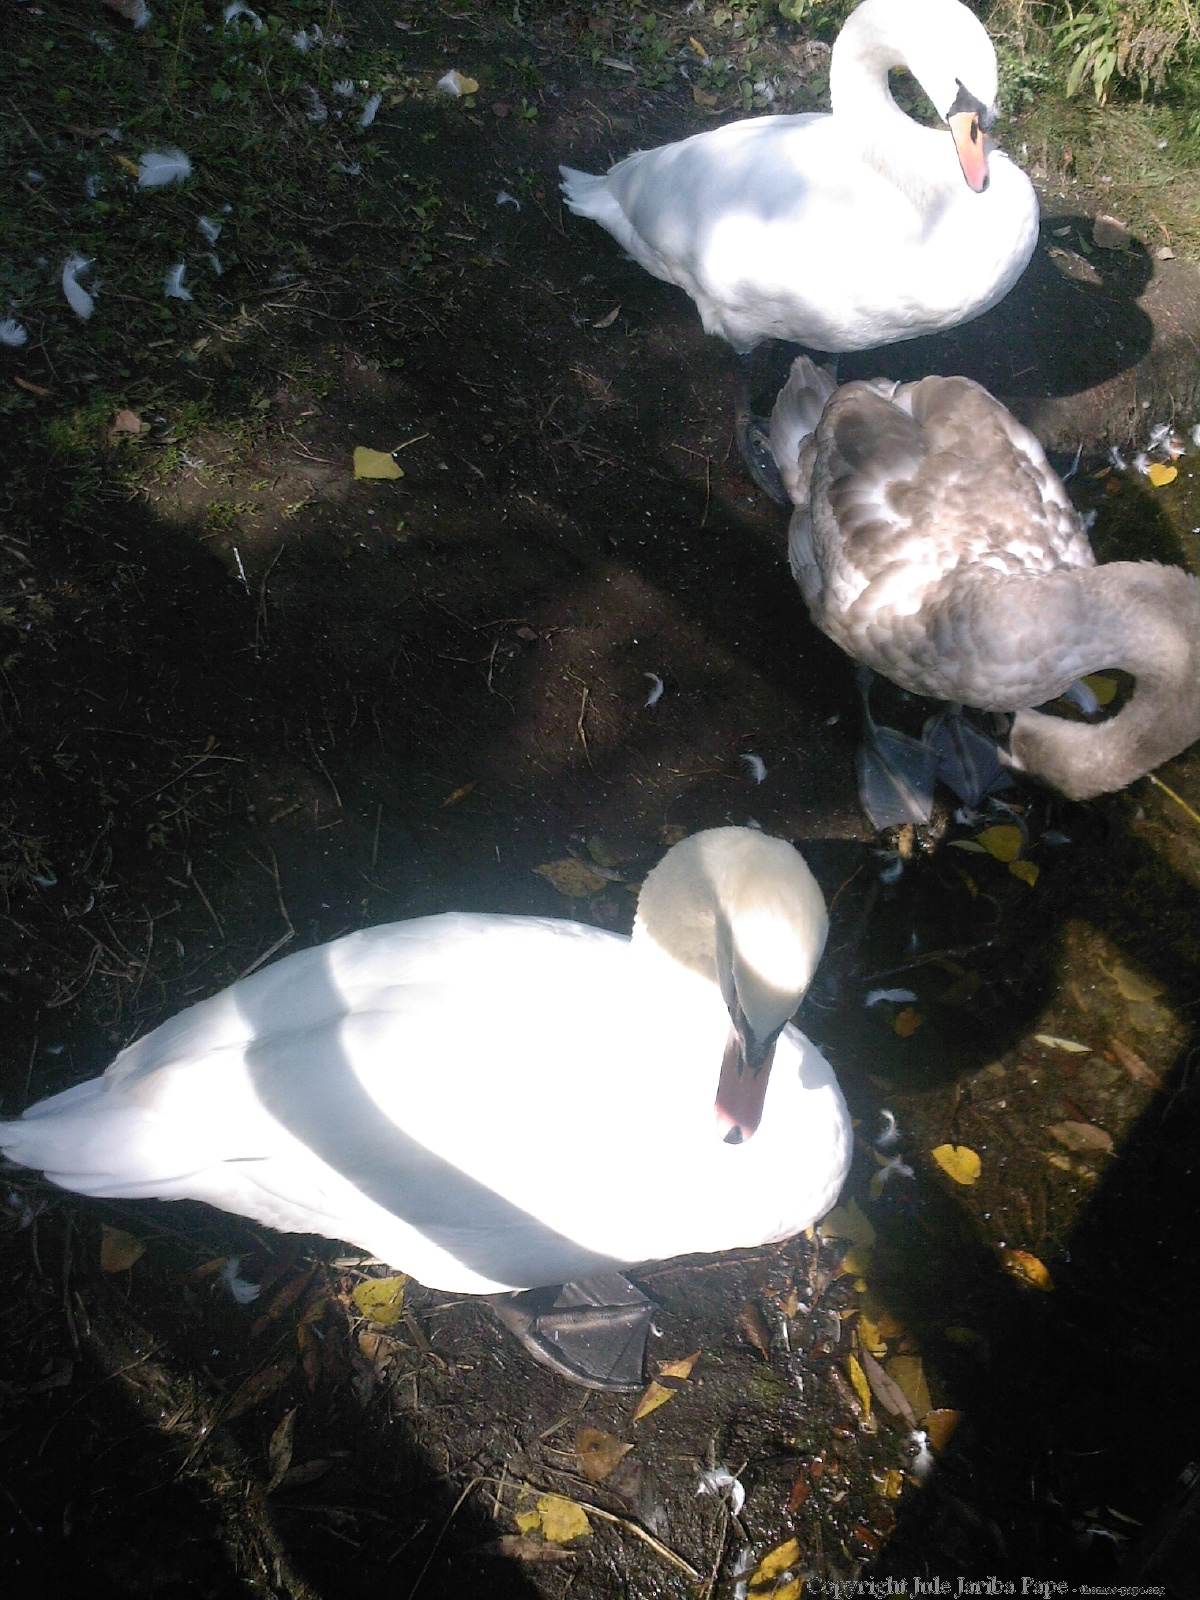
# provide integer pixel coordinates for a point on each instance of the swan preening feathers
(933, 542)
(495, 1103)
(841, 231)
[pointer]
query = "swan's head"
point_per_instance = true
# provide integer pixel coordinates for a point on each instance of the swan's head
(743, 910)
(948, 52)
(954, 61)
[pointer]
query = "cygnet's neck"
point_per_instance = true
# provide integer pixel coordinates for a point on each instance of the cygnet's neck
(1144, 619)
(920, 161)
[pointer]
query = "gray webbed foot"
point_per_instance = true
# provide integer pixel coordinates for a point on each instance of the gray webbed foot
(592, 1332)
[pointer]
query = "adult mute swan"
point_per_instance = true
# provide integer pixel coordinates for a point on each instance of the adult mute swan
(501, 1103)
(932, 541)
(841, 231)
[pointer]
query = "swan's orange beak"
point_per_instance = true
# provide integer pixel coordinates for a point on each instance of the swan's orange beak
(968, 141)
(741, 1091)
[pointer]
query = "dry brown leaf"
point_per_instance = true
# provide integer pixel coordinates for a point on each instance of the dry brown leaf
(801, 1489)
(381, 1300)
(607, 321)
(461, 793)
(906, 1022)
(958, 1161)
(279, 1452)
(283, 1301)
(887, 1391)
(572, 878)
(1025, 1266)
(512, 1547)
(598, 1453)
(257, 1387)
(671, 1377)
(118, 1250)
(1134, 1065)
(126, 424)
(703, 97)
(754, 1325)
(1082, 1137)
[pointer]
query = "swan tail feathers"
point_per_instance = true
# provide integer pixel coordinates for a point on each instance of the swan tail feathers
(85, 1142)
(587, 193)
(794, 418)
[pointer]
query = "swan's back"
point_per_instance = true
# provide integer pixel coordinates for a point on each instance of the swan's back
(922, 499)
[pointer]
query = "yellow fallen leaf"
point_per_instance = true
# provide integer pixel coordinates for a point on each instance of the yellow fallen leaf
(1132, 985)
(561, 1520)
(380, 1299)
(118, 1250)
(1028, 1269)
(573, 878)
(1160, 474)
(959, 1162)
(773, 1565)
(130, 166)
(939, 1426)
(890, 1483)
(1103, 687)
(461, 793)
(375, 464)
(1054, 1041)
(703, 97)
(1027, 871)
(907, 1373)
(674, 1374)
(1082, 1137)
(906, 1022)
(847, 1222)
(1003, 841)
(598, 1453)
(871, 1338)
(467, 85)
(855, 1262)
(859, 1379)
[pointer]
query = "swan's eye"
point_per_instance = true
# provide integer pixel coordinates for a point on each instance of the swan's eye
(974, 130)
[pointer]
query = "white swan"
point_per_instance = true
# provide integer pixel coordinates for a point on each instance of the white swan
(845, 231)
(492, 1102)
(932, 541)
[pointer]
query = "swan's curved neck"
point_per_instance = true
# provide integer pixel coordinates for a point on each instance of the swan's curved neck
(1140, 617)
(919, 160)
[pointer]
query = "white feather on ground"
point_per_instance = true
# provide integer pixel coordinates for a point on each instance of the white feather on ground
(157, 168)
(13, 334)
(79, 300)
(173, 288)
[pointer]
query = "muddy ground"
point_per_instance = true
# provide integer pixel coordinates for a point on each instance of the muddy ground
(251, 703)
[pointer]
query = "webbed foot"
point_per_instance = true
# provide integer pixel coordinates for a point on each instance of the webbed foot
(592, 1332)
